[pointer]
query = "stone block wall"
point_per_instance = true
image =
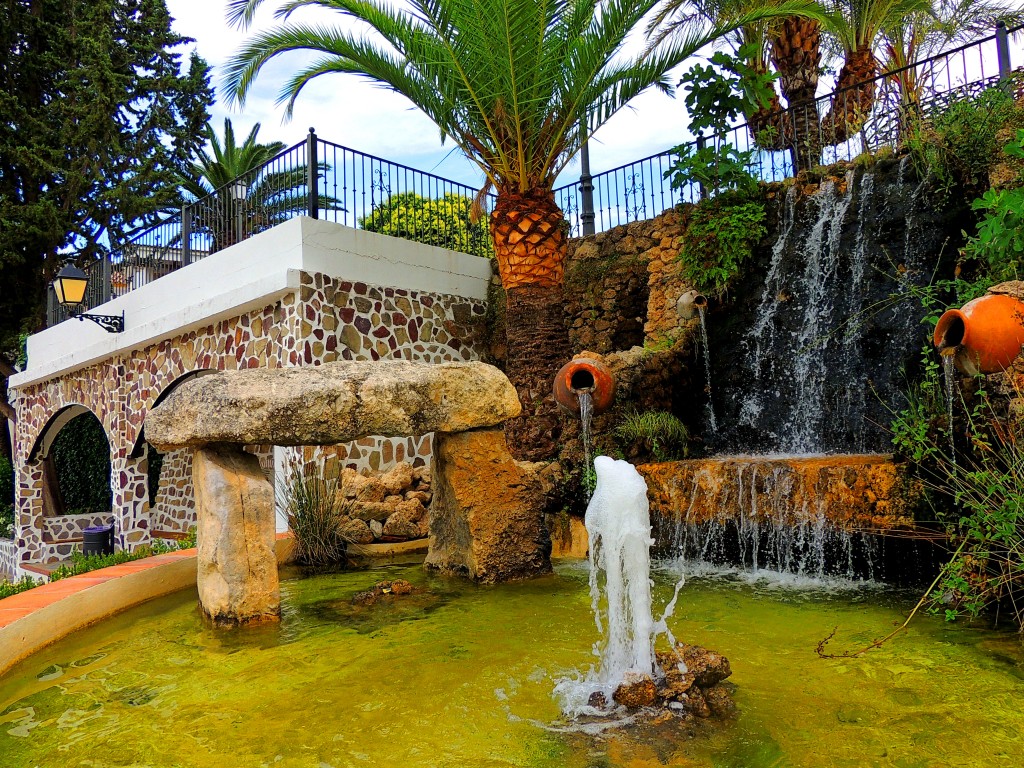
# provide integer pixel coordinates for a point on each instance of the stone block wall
(622, 286)
(606, 290)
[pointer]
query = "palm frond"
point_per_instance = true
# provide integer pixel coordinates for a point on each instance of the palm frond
(517, 85)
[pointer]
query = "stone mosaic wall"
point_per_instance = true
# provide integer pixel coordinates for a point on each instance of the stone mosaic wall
(174, 508)
(326, 320)
(65, 527)
(8, 559)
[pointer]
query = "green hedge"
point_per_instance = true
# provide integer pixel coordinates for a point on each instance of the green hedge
(6, 497)
(81, 455)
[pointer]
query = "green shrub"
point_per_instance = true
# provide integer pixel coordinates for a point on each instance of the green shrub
(6, 498)
(719, 235)
(314, 513)
(715, 97)
(959, 144)
(444, 222)
(916, 429)
(998, 246)
(717, 167)
(81, 563)
(664, 435)
(191, 539)
(8, 588)
(81, 455)
(985, 518)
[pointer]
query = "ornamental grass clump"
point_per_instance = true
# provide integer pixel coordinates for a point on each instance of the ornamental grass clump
(315, 513)
(974, 472)
(661, 432)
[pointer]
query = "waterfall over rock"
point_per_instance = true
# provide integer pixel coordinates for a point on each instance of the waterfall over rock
(809, 359)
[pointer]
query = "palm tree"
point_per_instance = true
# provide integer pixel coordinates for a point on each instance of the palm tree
(856, 26)
(791, 44)
(917, 36)
(518, 86)
(236, 190)
(770, 122)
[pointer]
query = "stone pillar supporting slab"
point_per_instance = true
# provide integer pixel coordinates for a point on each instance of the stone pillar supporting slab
(237, 570)
(129, 499)
(485, 516)
(28, 527)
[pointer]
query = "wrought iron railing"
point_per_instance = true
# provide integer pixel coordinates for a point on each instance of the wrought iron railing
(324, 180)
(903, 98)
(314, 178)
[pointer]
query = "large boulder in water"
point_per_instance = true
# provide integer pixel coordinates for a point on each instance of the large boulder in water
(485, 518)
(332, 403)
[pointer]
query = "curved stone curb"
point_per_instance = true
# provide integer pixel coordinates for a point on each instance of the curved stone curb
(32, 620)
(385, 550)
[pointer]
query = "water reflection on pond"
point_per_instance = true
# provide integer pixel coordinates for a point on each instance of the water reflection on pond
(462, 676)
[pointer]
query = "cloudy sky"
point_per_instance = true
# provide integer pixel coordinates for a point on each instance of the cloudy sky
(351, 112)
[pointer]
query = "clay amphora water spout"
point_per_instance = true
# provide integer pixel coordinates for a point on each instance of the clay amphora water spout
(985, 335)
(690, 304)
(584, 375)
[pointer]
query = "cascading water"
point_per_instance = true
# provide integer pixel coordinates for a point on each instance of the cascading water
(769, 516)
(813, 366)
(949, 379)
(810, 363)
(619, 529)
(586, 417)
(712, 422)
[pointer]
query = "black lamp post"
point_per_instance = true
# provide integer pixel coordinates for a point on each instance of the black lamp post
(239, 194)
(70, 285)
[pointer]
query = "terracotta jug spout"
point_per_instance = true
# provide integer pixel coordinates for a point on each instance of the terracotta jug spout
(584, 375)
(984, 336)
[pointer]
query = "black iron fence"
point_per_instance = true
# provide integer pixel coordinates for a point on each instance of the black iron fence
(324, 180)
(314, 178)
(830, 129)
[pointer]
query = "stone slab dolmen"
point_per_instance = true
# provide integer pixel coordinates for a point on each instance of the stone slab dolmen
(486, 520)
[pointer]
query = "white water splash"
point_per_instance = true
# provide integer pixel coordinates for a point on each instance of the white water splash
(619, 526)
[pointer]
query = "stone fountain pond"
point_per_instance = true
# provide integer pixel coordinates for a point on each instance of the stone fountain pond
(462, 675)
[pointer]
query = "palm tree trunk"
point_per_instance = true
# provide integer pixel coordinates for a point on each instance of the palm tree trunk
(796, 54)
(770, 124)
(530, 243)
(855, 96)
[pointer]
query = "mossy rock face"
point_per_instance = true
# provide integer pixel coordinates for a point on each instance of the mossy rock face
(606, 288)
(823, 322)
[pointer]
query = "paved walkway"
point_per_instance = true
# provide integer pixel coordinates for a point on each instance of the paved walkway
(21, 605)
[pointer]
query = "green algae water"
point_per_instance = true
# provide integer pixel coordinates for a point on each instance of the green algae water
(461, 676)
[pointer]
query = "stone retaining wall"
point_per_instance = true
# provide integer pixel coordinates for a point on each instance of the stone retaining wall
(622, 286)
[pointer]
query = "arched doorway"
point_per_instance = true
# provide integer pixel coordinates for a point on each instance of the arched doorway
(73, 453)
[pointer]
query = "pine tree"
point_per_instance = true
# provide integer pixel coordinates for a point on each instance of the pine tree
(100, 113)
